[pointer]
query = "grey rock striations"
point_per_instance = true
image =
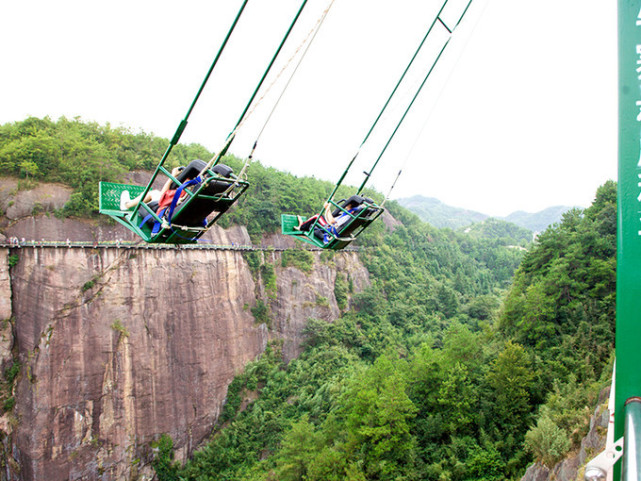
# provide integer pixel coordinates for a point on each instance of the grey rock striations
(118, 346)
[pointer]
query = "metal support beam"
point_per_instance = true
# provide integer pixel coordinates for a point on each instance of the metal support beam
(600, 468)
(631, 470)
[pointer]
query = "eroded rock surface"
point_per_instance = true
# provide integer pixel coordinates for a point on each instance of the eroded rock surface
(119, 346)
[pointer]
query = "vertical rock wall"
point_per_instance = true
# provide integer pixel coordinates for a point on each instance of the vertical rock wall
(118, 346)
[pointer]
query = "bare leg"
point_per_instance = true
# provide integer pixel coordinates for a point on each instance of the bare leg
(134, 202)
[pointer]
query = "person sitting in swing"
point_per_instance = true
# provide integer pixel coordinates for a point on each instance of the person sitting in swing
(329, 221)
(156, 199)
(164, 201)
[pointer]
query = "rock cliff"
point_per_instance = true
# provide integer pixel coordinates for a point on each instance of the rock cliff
(572, 468)
(118, 346)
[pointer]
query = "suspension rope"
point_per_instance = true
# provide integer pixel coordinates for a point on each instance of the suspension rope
(230, 138)
(391, 188)
(387, 102)
(368, 174)
(307, 42)
(183, 123)
(414, 144)
(450, 32)
(400, 80)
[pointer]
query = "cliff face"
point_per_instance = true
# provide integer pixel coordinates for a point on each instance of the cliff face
(118, 346)
(573, 466)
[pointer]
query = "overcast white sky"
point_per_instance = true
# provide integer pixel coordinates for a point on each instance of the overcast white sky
(520, 114)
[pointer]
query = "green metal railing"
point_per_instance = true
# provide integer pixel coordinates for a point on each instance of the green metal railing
(632, 434)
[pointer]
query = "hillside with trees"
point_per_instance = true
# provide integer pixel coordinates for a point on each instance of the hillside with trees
(438, 214)
(501, 231)
(461, 361)
(428, 377)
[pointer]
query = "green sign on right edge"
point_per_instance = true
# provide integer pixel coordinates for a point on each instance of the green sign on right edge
(628, 321)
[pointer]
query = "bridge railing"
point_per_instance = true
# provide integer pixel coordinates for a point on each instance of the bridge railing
(33, 243)
(631, 463)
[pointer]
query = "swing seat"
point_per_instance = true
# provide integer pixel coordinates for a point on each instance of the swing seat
(323, 237)
(217, 192)
(289, 223)
(109, 196)
(214, 194)
(109, 204)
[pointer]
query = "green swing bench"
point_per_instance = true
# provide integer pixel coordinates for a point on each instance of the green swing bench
(323, 237)
(206, 198)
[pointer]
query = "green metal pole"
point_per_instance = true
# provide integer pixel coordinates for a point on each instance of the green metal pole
(631, 461)
(628, 317)
(242, 116)
(183, 123)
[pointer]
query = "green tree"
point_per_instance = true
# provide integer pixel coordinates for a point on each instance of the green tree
(377, 414)
(457, 400)
(485, 465)
(547, 441)
(511, 380)
(164, 465)
(298, 448)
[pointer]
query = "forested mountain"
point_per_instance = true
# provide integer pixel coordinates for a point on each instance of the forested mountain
(427, 378)
(465, 359)
(492, 228)
(82, 154)
(438, 214)
(537, 221)
(441, 215)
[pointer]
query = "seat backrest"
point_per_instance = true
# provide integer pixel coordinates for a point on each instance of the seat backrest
(194, 214)
(214, 186)
(219, 186)
(355, 200)
(191, 171)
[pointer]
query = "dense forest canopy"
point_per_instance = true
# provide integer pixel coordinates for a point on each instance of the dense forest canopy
(427, 377)
(466, 358)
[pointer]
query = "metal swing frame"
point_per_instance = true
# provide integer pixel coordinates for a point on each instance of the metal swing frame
(109, 193)
(324, 238)
(335, 242)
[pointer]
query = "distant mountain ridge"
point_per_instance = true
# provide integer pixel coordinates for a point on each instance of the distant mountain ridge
(441, 215)
(538, 221)
(438, 214)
